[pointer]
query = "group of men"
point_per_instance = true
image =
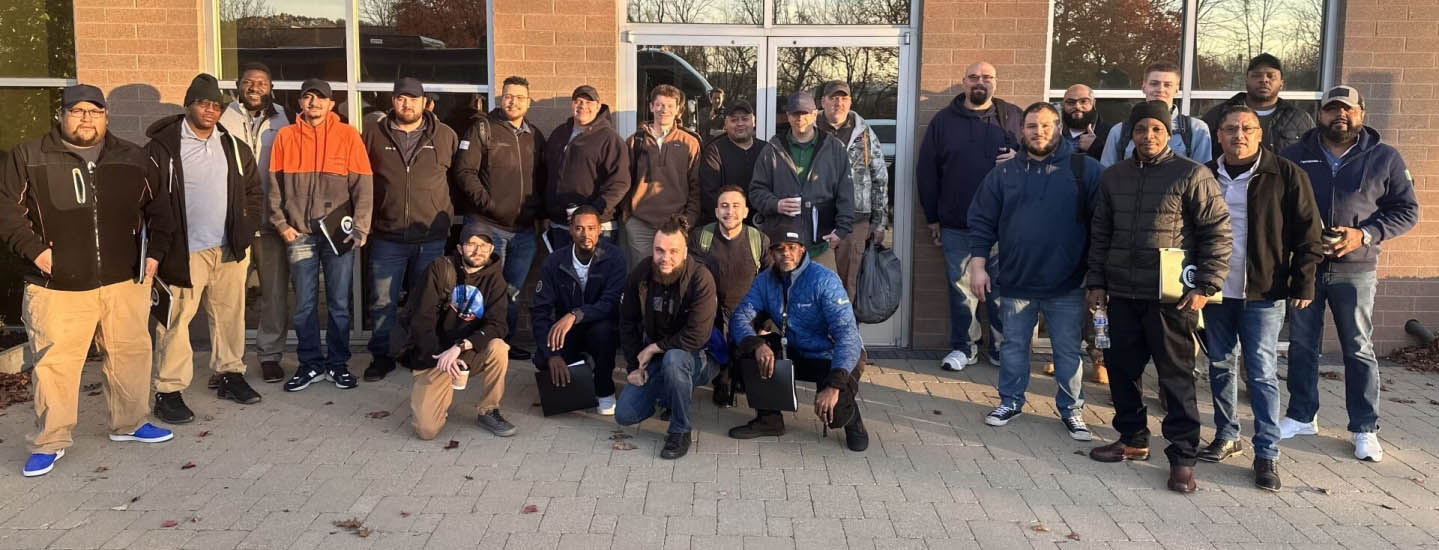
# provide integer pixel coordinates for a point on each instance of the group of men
(1269, 214)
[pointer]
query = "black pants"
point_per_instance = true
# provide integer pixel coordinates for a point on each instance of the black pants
(601, 340)
(822, 373)
(1140, 330)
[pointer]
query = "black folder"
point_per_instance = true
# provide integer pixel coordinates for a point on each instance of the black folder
(161, 302)
(775, 393)
(336, 227)
(578, 395)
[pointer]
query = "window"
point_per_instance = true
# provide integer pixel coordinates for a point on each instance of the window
(297, 39)
(1106, 44)
(841, 12)
(730, 12)
(785, 12)
(1231, 32)
(41, 47)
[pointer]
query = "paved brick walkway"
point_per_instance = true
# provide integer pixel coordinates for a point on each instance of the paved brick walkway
(281, 473)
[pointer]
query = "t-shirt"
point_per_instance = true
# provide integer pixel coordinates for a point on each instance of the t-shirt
(803, 154)
(91, 154)
(581, 269)
(725, 164)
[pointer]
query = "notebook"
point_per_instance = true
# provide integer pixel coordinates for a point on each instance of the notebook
(336, 227)
(161, 302)
(579, 394)
(774, 393)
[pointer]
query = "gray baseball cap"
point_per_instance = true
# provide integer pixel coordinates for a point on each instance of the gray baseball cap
(800, 102)
(1343, 94)
(836, 86)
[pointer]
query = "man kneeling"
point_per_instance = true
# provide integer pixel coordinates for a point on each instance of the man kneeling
(457, 328)
(817, 332)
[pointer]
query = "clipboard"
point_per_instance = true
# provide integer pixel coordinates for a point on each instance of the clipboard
(1176, 276)
(336, 227)
(578, 395)
(774, 393)
(162, 302)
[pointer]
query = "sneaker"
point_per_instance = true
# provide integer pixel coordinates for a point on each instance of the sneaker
(1289, 427)
(341, 377)
(497, 424)
(856, 438)
(170, 407)
(302, 378)
(271, 372)
(1366, 446)
(1220, 449)
(761, 426)
(519, 354)
(1266, 476)
(1001, 415)
(676, 445)
(147, 433)
(1077, 429)
(955, 361)
(214, 382)
(41, 463)
(606, 406)
(378, 368)
(234, 387)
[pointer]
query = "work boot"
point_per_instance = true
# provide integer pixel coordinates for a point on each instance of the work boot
(1118, 452)
(676, 445)
(762, 426)
(855, 436)
(1181, 479)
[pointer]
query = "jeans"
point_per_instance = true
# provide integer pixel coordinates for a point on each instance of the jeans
(961, 301)
(309, 254)
(517, 252)
(1254, 327)
(1064, 315)
(1351, 297)
(394, 266)
(672, 381)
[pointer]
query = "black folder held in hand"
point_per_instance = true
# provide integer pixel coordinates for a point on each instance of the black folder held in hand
(577, 395)
(336, 227)
(776, 392)
(161, 302)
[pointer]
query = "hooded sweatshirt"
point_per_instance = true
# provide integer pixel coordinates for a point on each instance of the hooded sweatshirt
(259, 134)
(824, 184)
(499, 175)
(665, 176)
(435, 325)
(412, 184)
(317, 169)
(593, 168)
(959, 148)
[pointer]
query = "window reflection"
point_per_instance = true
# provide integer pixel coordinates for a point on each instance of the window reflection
(736, 12)
(696, 70)
(428, 40)
(841, 12)
(1107, 43)
(872, 73)
(297, 39)
(1231, 32)
(37, 39)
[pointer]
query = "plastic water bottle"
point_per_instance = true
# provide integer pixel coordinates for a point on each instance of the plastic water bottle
(1101, 328)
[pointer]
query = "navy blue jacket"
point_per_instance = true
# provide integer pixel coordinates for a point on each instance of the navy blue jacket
(958, 150)
(1031, 209)
(558, 293)
(821, 319)
(1371, 190)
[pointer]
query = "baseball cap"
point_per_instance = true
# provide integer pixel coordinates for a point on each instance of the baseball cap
(1343, 94)
(800, 102)
(409, 86)
(586, 91)
(476, 230)
(783, 229)
(81, 92)
(836, 86)
(319, 86)
(739, 106)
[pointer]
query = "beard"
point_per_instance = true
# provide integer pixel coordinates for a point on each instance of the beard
(263, 105)
(474, 261)
(1081, 122)
(408, 118)
(84, 137)
(978, 95)
(1335, 135)
(1043, 150)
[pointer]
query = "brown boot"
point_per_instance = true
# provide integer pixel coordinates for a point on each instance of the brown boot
(1096, 358)
(1181, 479)
(1049, 368)
(1118, 452)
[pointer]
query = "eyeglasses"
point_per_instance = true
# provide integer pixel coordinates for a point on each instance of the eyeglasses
(1080, 101)
(208, 105)
(977, 78)
(82, 114)
(1232, 129)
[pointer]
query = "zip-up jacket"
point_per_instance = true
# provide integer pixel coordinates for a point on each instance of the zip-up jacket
(317, 169)
(558, 292)
(1283, 128)
(867, 168)
(435, 326)
(499, 174)
(958, 149)
(1372, 190)
(828, 193)
(411, 198)
(593, 168)
(89, 217)
(665, 176)
(1168, 202)
(260, 137)
(242, 194)
(1282, 248)
(821, 320)
(676, 315)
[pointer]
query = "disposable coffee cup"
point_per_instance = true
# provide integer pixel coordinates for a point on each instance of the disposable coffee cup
(461, 381)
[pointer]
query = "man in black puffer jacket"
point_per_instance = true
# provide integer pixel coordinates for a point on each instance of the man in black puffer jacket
(1155, 200)
(1283, 122)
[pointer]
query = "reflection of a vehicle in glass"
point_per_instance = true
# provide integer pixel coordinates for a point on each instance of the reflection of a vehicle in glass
(657, 67)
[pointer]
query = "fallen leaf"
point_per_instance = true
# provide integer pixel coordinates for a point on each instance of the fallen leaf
(1080, 453)
(99, 469)
(169, 523)
(1418, 480)
(362, 532)
(1330, 375)
(623, 446)
(617, 436)
(1322, 490)
(404, 514)
(937, 412)
(204, 433)
(187, 466)
(1072, 536)
(378, 414)
(120, 508)
(470, 478)
(1402, 400)
(1386, 506)
(530, 509)
(352, 523)
(329, 402)
(287, 510)
(1039, 528)
(452, 445)
(194, 519)
(134, 499)
(1431, 402)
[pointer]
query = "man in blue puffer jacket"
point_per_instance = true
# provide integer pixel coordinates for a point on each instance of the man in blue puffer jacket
(817, 332)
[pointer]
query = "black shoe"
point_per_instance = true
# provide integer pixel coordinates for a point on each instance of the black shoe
(676, 445)
(519, 354)
(723, 395)
(497, 424)
(1266, 476)
(762, 426)
(302, 378)
(1220, 449)
(271, 372)
(214, 382)
(855, 436)
(341, 376)
(378, 368)
(234, 387)
(170, 407)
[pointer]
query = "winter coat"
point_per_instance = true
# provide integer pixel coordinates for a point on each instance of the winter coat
(411, 198)
(821, 322)
(958, 149)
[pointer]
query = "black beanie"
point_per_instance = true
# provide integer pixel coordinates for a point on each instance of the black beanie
(203, 86)
(1156, 109)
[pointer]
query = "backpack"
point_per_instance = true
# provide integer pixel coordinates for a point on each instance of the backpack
(707, 239)
(1186, 134)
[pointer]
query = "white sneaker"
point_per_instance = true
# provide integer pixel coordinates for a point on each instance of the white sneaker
(607, 406)
(955, 361)
(1366, 446)
(1289, 427)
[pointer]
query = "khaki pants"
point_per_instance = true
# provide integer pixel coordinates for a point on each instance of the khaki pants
(218, 283)
(431, 395)
(60, 325)
(848, 254)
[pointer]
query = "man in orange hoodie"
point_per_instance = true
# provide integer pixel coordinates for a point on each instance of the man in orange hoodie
(321, 174)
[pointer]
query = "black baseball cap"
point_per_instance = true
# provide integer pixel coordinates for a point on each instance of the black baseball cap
(409, 86)
(586, 91)
(783, 229)
(317, 85)
(739, 106)
(81, 92)
(800, 102)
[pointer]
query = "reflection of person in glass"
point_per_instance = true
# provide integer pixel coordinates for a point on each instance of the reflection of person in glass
(712, 119)
(1188, 136)
(664, 162)
(589, 163)
(729, 160)
(869, 171)
(806, 174)
(1282, 120)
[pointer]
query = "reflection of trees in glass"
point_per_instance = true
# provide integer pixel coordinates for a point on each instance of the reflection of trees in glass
(37, 39)
(731, 68)
(28, 115)
(842, 12)
(1107, 43)
(455, 23)
(747, 12)
(1230, 32)
(872, 73)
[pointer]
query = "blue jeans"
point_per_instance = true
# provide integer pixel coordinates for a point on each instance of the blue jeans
(1253, 326)
(961, 300)
(1351, 297)
(394, 266)
(308, 255)
(672, 382)
(1065, 317)
(517, 252)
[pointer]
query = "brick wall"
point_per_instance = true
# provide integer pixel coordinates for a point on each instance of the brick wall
(1390, 52)
(1011, 36)
(557, 45)
(141, 53)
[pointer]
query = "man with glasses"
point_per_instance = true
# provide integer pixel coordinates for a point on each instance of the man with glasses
(1082, 127)
(1282, 120)
(805, 174)
(211, 178)
(500, 172)
(88, 267)
(588, 164)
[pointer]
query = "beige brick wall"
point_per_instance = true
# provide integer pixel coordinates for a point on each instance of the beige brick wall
(141, 53)
(557, 45)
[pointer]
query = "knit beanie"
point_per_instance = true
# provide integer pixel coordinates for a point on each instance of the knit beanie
(203, 86)
(1157, 110)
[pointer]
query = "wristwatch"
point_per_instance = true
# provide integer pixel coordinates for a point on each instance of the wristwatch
(1368, 238)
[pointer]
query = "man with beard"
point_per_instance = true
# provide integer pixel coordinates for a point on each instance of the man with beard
(254, 119)
(805, 175)
(817, 333)
(664, 163)
(588, 164)
(500, 178)
(734, 253)
(665, 322)
(576, 307)
(213, 180)
(1082, 127)
(1365, 196)
(868, 170)
(1283, 121)
(962, 144)
(86, 268)
(410, 151)
(458, 335)
(1188, 136)
(1037, 208)
(729, 160)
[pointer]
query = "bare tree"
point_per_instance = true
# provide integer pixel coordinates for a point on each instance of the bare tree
(235, 10)
(379, 13)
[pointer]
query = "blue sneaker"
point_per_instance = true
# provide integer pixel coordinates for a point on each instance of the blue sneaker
(302, 378)
(146, 434)
(41, 463)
